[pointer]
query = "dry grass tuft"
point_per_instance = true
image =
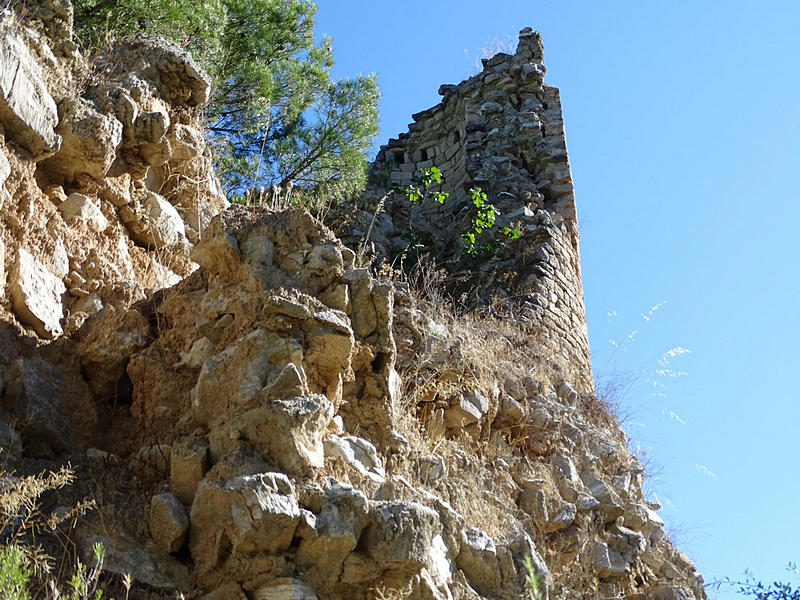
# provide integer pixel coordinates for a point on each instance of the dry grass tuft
(22, 522)
(20, 517)
(384, 593)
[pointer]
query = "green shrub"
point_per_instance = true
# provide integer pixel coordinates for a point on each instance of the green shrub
(14, 575)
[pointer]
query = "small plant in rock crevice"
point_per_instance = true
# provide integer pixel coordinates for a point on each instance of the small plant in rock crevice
(482, 222)
(532, 586)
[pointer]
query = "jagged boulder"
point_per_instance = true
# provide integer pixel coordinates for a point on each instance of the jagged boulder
(357, 453)
(169, 69)
(34, 395)
(123, 557)
(153, 221)
(231, 382)
(478, 561)
(334, 533)
(89, 144)
(246, 516)
(27, 110)
(188, 463)
(36, 294)
(397, 541)
(78, 208)
(169, 523)
(288, 431)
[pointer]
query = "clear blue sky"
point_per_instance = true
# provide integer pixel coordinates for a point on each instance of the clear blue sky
(683, 125)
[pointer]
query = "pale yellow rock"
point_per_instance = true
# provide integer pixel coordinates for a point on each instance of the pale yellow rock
(169, 523)
(289, 431)
(27, 109)
(80, 208)
(89, 140)
(230, 382)
(188, 465)
(227, 591)
(5, 168)
(285, 588)
(247, 515)
(37, 295)
(2, 270)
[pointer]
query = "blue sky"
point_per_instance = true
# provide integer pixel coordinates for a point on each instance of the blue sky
(683, 126)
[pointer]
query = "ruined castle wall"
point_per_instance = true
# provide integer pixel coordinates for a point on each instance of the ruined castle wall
(503, 131)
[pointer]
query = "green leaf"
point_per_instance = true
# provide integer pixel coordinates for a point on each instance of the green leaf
(412, 194)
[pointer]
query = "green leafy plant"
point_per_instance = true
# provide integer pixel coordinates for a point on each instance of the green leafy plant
(533, 589)
(14, 575)
(420, 191)
(484, 219)
(82, 585)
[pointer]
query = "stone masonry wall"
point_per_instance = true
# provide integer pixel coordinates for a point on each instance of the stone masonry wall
(501, 130)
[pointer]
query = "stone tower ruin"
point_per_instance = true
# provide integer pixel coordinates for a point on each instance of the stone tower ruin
(501, 130)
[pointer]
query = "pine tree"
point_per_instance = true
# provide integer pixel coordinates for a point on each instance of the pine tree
(276, 117)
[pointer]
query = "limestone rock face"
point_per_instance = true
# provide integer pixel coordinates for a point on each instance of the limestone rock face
(177, 78)
(284, 588)
(230, 382)
(288, 431)
(27, 110)
(399, 536)
(37, 295)
(333, 533)
(102, 155)
(247, 516)
(478, 561)
(80, 208)
(188, 464)
(357, 453)
(124, 557)
(156, 223)
(89, 140)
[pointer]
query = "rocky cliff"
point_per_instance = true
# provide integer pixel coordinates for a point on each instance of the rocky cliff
(256, 413)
